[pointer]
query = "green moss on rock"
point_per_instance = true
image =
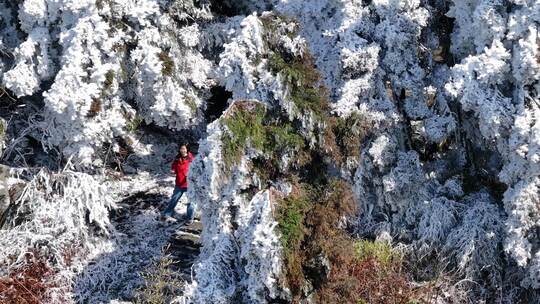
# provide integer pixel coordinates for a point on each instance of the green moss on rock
(167, 63)
(350, 133)
(248, 124)
(244, 125)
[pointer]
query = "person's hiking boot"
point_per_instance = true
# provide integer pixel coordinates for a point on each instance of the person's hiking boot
(169, 219)
(188, 221)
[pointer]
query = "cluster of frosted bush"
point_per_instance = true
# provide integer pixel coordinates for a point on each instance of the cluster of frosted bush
(388, 62)
(497, 80)
(430, 108)
(60, 218)
(88, 58)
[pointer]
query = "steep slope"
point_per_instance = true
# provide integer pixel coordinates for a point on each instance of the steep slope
(321, 123)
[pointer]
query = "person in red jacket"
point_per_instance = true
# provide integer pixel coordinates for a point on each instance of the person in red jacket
(180, 166)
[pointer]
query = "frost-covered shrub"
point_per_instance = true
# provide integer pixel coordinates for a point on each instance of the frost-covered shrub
(238, 69)
(474, 83)
(474, 244)
(33, 57)
(523, 159)
(477, 24)
(72, 121)
(62, 204)
(497, 82)
(437, 219)
(60, 217)
(89, 57)
(432, 218)
(240, 257)
(391, 194)
(521, 203)
(169, 76)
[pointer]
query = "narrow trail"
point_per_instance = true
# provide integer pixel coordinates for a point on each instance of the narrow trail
(183, 244)
(184, 248)
(140, 237)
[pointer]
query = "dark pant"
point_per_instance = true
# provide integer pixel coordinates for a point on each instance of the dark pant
(177, 194)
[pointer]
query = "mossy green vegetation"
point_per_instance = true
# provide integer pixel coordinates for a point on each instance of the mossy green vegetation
(167, 63)
(297, 70)
(109, 80)
(283, 137)
(244, 125)
(382, 252)
(290, 215)
(249, 124)
(134, 123)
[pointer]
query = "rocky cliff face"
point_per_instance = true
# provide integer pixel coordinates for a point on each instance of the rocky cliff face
(319, 123)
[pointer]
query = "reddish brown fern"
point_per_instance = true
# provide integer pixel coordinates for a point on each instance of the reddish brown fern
(28, 284)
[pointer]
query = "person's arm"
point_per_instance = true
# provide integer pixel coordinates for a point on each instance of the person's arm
(173, 166)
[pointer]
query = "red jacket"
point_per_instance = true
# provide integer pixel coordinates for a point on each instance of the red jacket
(181, 168)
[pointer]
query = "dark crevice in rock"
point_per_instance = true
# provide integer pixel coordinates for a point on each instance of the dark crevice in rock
(444, 27)
(217, 103)
(228, 8)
